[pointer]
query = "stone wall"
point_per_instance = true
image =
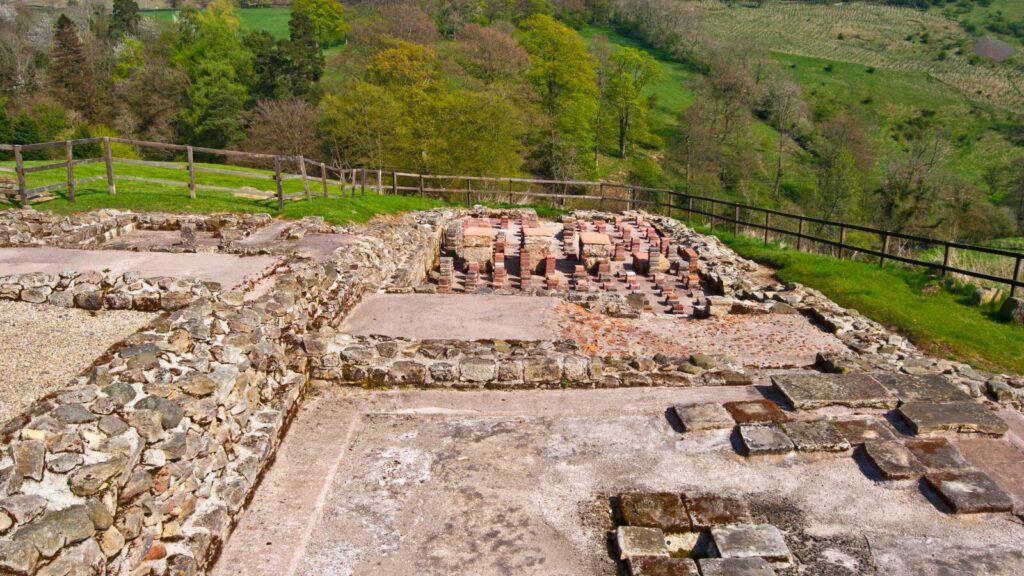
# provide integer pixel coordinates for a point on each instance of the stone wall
(390, 362)
(143, 465)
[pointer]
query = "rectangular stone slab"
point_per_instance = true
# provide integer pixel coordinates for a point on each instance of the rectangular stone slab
(937, 453)
(735, 567)
(707, 510)
(656, 566)
(761, 439)
(663, 510)
(816, 436)
(755, 412)
(811, 391)
(750, 541)
(893, 460)
(705, 416)
(930, 417)
(635, 541)
(969, 491)
(857, 431)
(930, 388)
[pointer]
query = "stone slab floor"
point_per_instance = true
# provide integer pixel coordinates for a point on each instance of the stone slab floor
(227, 269)
(511, 483)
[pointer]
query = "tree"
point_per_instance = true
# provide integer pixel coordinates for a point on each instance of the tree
(149, 89)
(912, 187)
(563, 74)
(328, 18)
(491, 53)
(124, 18)
(452, 15)
(631, 71)
(845, 161)
(287, 127)
(783, 103)
(71, 74)
(407, 22)
(362, 124)
(304, 56)
(219, 69)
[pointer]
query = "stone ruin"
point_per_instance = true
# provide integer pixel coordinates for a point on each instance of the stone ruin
(144, 463)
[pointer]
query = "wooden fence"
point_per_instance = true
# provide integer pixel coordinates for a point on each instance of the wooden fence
(839, 239)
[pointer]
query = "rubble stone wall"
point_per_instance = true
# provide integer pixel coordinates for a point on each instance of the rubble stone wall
(143, 465)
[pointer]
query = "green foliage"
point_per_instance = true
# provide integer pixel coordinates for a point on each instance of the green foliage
(287, 68)
(71, 72)
(124, 18)
(328, 18)
(564, 76)
(219, 68)
(631, 71)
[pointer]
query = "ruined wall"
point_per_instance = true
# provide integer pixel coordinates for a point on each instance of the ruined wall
(143, 465)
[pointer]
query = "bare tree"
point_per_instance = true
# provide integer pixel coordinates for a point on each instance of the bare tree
(287, 127)
(784, 104)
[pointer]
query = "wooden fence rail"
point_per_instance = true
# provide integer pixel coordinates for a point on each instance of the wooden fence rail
(490, 189)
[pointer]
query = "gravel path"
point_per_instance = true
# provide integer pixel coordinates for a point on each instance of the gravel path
(44, 346)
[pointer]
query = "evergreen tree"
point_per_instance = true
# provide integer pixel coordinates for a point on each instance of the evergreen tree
(305, 57)
(71, 74)
(124, 18)
(269, 65)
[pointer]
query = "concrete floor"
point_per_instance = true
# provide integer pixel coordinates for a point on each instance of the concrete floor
(457, 317)
(511, 483)
(228, 270)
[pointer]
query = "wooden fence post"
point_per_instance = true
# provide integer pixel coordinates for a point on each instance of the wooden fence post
(1016, 277)
(885, 250)
(394, 183)
(19, 168)
(736, 221)
(767, 220)
(323, 177)
(109, 159)
(799, 234)
(277, 180)
(600, 192)
(712, 211)
(632, 198)
(69, 157)
(945, 259)
(842, 240)
(362, 184)
(689, 211)
(305, 179)
(380, 182)
(511, 202)
(469, 193)
(191, 173)
(422, 188)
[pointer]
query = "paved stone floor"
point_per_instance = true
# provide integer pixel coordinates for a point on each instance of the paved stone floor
(509, 483)
(447, 316)
(228, 270)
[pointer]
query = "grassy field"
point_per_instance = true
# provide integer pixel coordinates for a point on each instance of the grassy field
(144, 196)
(941, 324)
(272, 19)
(875, 35)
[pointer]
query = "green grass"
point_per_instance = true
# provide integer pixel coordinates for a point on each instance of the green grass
(941, 324)
(272, 19)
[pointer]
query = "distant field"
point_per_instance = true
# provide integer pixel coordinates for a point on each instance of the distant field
(871, 35)
(272, 19)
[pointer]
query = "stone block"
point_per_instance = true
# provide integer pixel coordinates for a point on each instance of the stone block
(755, 412)
(816, 436)
(761, 439)
(937, 454)
(658, 566)
(635, 541)
(663, 510)
(929, 417)
(478, 369)
(811, 391)
(707, 510)
(705, 416)
(860, 430)
(929, 388)
(893, 460)
(750, 541)
(735, 567)
(407, 372)
(1012, 311)
(542, 370)
(969, 491)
